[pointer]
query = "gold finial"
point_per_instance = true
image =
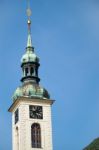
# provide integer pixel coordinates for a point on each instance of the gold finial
(29, 22)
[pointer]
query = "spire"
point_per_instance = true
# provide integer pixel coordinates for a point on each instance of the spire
(29, 61)
(29, 40)
(30, 70)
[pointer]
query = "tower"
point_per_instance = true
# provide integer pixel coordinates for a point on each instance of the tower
(31, 107)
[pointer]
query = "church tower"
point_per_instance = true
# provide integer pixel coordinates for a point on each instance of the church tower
(31, 107)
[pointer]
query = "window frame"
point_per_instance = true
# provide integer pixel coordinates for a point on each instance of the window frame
(36, 135)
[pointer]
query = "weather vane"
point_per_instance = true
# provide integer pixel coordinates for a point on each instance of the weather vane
(29, 12)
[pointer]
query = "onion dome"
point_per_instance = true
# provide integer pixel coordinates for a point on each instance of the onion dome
(29, 56)
(31, 91)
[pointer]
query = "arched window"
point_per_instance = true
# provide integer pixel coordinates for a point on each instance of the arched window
(31, 70)
(36, 135)
(26, 71)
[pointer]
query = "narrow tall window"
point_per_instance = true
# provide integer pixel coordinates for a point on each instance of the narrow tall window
(26, 71)
(36, 135)
(16, 116)
(31, 70)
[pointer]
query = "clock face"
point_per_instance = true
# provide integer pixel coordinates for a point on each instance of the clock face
(16, 116)
(36, 112)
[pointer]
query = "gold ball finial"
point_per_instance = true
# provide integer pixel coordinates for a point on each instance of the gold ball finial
(29, 22)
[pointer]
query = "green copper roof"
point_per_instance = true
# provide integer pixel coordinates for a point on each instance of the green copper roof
(31, 90)
(29, 41)
(29, 56)
(93, 146)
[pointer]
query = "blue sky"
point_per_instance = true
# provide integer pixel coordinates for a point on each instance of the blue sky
(66, 38)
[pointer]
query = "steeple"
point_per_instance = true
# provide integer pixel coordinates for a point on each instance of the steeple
(30, 66)
(31, 107)
(30, 62)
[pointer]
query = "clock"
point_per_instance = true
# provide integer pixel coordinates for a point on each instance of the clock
(16, 116)
(36, 112)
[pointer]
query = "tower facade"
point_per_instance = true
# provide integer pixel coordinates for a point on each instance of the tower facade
(31, 107)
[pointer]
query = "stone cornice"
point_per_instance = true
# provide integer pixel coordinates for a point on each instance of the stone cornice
(30, 100)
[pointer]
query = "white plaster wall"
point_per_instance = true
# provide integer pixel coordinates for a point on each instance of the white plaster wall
(24, 126)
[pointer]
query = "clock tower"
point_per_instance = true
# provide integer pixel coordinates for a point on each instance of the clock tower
(31, 107)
